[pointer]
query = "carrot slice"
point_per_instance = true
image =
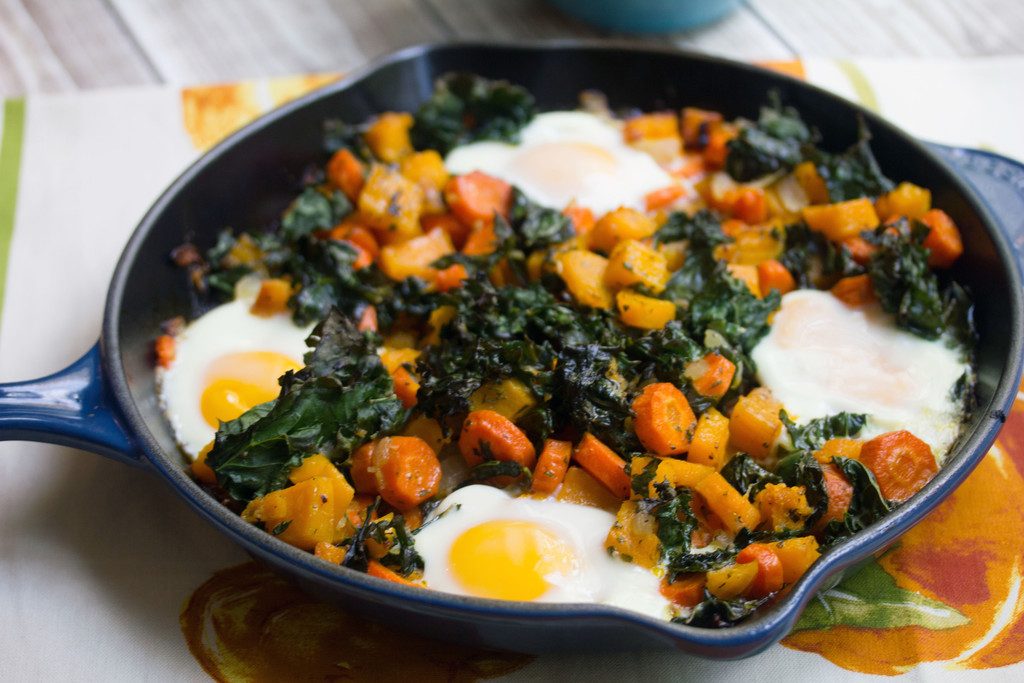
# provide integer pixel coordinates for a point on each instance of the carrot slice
(839, 492)
(551, 466)
(943, 239)
(771, 274)
(712, 375)
(603, 464)
(481, 241)
(855, 290)
(860, 249)
(406, 386)
(163, 347)
(769, 569)
(750, 205)
(363, 238)
(664, 421)
(346, 173)
(901, 462)
(687, 590)
(475, 197)
(582, 218)
(456, 229)
(375, 568)
(361, 470)
(368, 319)
(660, 198)
(717, 148)
(450, 278)
(487, 435)
(407, 471)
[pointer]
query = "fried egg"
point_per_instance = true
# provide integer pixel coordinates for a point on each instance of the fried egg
(823, 357)
(226, 362)
(568, 156)
(484, 543)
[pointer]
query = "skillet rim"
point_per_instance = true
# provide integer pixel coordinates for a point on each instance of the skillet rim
(749, 637)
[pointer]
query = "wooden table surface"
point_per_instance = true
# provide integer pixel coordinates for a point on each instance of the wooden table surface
(69, 45)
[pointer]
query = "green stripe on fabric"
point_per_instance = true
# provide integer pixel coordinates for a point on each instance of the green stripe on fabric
(861, 87)
(10, 166)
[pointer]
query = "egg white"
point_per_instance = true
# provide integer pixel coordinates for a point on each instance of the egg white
(567, 156)
(226, 329)
(600, 577)
(823, 357)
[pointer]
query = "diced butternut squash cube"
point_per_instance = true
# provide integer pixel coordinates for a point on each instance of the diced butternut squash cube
(839, 447)
(645, 312)
(674, 253)
(843, 219)
(748, 276)
(346, 173)
(755, 424)
(797, 555)
(634, 536)
(509, 398)
(584, 272)
(395, 358)
(388, 136)
(621, 224)
(427, 429)
(305, 513)
(677, 473)
(272, 297)
(581, 488)
(392, 204)
(755, 244)
(782, 507)
(439, 317)
(710, 440)
(656, 125)
(414, 257)
(729, 583)
(807, 175)
(696, 124)
(634, 263)
(728, 504)
(427, 170)
(907, 200)
(317, 465)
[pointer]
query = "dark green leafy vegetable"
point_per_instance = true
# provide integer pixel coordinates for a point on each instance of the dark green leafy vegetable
(904, 284)
(465, 108)
(703, 230)
(339, 135)
(489, 469)
(314, 210)
(801, 469)
(537, 226)
(676, 524)
(746, 476)
(854, 173)
(715, 613)
(867, 505)
(341, 399)
(774, 143)
(814, 434)
(390, 532)
(813, 260)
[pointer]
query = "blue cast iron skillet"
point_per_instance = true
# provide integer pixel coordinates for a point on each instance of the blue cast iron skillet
(106, 403)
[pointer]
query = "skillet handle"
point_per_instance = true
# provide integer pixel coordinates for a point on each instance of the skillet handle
(71, 407)
(1000, 182)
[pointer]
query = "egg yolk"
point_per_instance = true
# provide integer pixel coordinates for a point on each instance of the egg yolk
(563, 167)
(510, 560)
(238, 381)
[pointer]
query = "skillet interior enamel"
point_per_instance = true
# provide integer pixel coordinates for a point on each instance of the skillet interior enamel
(247, 181)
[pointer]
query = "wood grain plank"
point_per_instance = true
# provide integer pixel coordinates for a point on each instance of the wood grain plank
(27, 62)
(200, 41)
(896, 28)
(741, 35)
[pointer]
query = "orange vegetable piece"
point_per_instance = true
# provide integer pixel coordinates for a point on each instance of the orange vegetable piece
(475, 197)
(655, 125)
(388, 136)
(456, 229)
(551, 466)
(582, 218)
(687, 590)
(164, 348)
(664, 421)
(391, 204)
(363, 257)
(732, 581)
(488, 433)
(603, 464)
(329, 552)
(200, 470)
(747, 275)
(750, 205)
(728, 504)
(806, 174)
(375, 568)
(621, 224)
(696, 125)
(407, 471)
(860, 249)
(659, 199)
(581, 488)
(782, 507)
(769, 569)
(481, 241)
(712, 375)
(362, 470)
(901, 462)
(907, 200)
(797, 555)
(839, 447)
(644, 312)
(632, 262)
(842, 219)
(450, 278)
(710, 440)
(414, 257)
(840, 493)
(406, 386)
(943, 239)
(368, 319)
(855, 290)
(584, 275)
(755, 424)
(773, 275)
(347, 173)
(717, 147)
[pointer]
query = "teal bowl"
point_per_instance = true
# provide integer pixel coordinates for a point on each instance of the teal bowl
(647, 16)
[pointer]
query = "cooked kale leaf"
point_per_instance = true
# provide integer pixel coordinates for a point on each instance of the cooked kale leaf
(801, 469)
(813, 260)
(866, 506)
(814, 434)
(703, 230)
(713, 612)
(314, 210)
(854, 173)
(465, 108)
(537, 226)
(746, 476)
(774, 143)
(341, 399)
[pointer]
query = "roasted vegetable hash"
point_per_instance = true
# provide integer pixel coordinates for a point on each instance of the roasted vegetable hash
(650, 360)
